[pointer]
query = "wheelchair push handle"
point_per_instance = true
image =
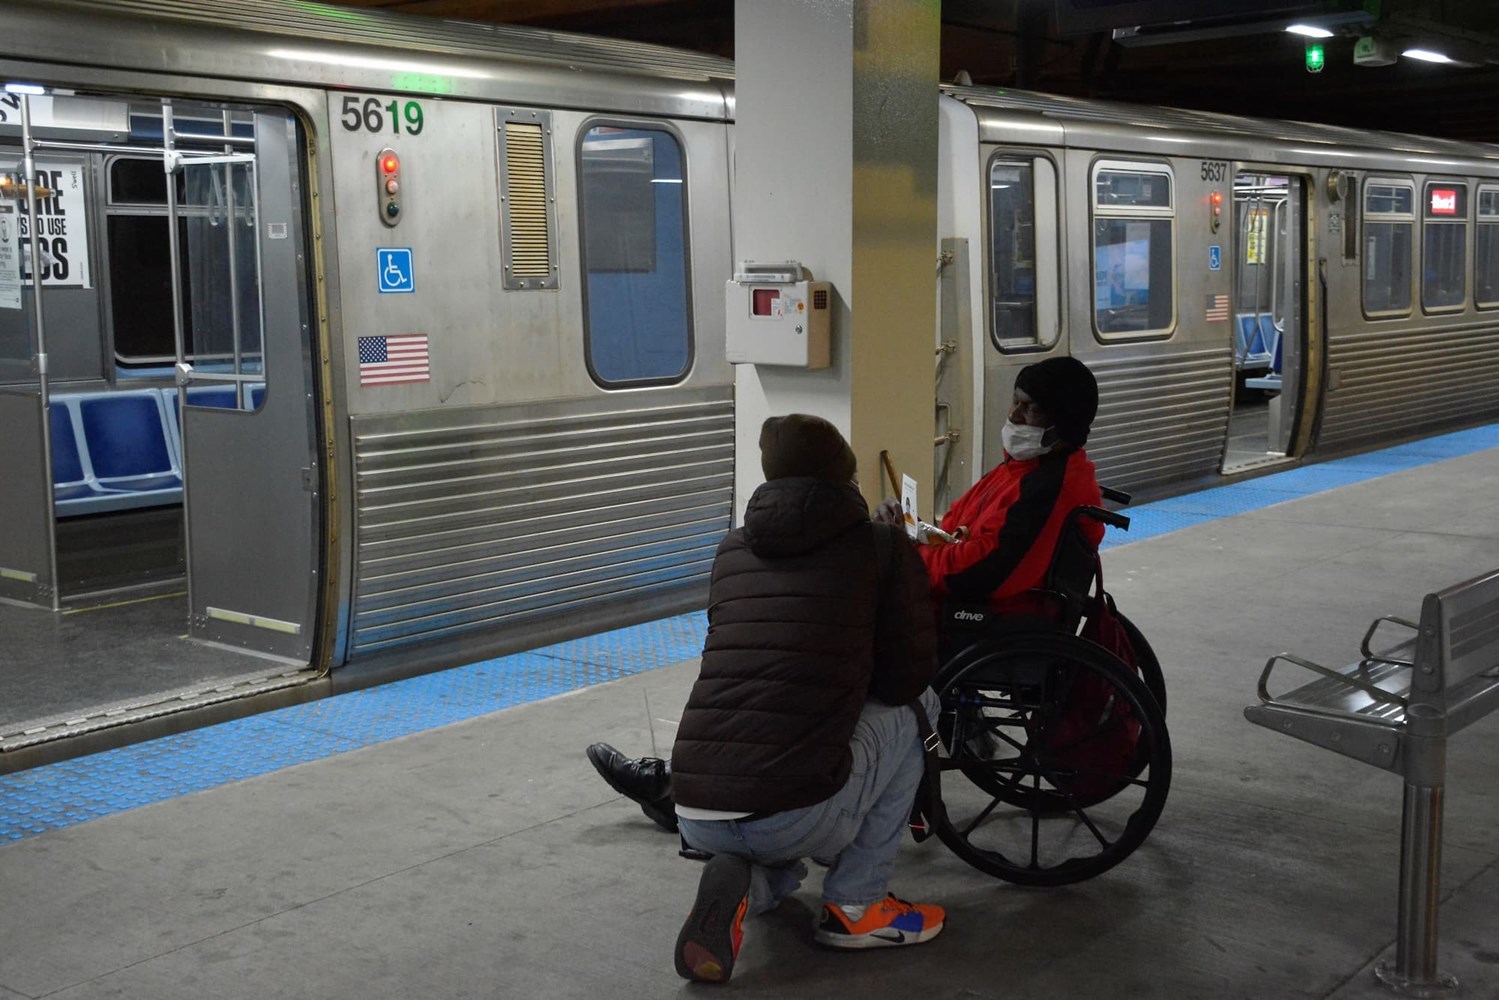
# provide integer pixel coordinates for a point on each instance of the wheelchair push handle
(1113, 495)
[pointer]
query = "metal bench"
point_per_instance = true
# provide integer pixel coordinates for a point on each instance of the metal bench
(1396, 709)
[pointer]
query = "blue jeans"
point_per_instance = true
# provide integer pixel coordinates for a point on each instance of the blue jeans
(858, 829)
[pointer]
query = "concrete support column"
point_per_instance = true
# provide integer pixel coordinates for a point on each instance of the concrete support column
(835, 166)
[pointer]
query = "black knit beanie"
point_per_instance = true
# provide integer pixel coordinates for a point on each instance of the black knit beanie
(800, 444)
(1067, 391)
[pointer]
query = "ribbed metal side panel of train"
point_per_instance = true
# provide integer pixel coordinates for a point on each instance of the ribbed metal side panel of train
(1161, 417)
(1398, 382)
(504, 515)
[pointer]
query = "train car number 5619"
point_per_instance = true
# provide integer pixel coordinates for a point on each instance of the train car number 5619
(371, 115)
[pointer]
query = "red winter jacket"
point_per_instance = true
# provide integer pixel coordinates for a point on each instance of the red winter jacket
(1014, 516)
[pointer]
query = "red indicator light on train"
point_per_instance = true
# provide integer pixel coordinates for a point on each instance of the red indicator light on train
(1217, 198)
(389, 184)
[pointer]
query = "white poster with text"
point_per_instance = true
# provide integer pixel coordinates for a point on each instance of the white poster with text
(62, 229)
(10, 258)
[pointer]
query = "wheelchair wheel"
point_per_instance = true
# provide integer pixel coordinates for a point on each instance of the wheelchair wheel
(1066, 754)
(1150, 666)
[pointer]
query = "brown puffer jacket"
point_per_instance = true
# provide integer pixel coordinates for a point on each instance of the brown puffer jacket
(802, 627)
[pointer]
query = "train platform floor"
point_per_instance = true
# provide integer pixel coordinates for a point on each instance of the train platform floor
(484, 858)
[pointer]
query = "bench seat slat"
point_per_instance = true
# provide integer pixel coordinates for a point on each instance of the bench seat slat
(1327, 694)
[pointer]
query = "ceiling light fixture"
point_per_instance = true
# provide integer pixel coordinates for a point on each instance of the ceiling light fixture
(1309, 30)
(1427, 55)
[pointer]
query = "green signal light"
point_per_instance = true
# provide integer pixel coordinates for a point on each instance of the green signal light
(1316, 58)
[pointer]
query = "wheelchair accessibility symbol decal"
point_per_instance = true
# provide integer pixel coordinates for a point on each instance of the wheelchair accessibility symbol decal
(395, 269)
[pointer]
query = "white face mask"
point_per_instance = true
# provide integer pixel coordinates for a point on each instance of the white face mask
(1023, 441)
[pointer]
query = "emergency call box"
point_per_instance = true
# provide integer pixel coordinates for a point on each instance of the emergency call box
(775, 317)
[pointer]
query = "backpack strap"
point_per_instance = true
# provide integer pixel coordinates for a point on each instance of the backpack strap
(927, 806)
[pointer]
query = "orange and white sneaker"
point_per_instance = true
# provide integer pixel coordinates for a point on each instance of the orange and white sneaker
(710, 939)
(889, 923)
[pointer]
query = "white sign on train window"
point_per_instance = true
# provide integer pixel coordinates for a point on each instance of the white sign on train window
(10, 258)
(63, 228)
(58, 111)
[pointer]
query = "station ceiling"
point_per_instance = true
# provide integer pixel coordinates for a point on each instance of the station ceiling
(1231, 56)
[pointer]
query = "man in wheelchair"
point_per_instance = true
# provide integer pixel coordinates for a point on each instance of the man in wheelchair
(1007, 526)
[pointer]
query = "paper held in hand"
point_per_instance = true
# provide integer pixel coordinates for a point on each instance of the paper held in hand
(908, 504)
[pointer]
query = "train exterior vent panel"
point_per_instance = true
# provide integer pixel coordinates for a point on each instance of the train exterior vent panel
(491, 516)
(1403, 380)
(527, 201)
(1161, 418)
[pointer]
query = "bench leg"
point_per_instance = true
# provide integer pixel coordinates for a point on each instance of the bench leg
(1414, 972)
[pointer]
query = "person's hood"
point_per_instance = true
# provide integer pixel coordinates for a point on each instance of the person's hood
(794, 515)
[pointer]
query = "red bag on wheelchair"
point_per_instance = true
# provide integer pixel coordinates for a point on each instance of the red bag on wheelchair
(1095, 735)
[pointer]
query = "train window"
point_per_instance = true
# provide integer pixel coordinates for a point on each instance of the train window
(1133, 233)
(1444, 241)
(1486, 259)
(1389, 224)
(633, 212)
(217, 265)
(1023, 252)
(140, 182)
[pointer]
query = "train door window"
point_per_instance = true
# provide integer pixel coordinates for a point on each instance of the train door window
(633, 213)
(1389, 224)
(1444, 242)
(217, 262)
(1023, 252)
(1486, 259)
(1134, 214)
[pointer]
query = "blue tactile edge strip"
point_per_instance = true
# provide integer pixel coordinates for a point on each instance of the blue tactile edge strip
(74, 791)
(1151, 519)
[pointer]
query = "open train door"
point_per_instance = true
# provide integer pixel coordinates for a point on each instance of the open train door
(1268, 318)
(245, 398)
(28, 544)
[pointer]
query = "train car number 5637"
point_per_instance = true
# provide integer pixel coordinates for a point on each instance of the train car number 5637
(1214, 170)
(371, 115)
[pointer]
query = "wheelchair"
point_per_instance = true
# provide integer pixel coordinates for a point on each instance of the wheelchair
(1062, 746)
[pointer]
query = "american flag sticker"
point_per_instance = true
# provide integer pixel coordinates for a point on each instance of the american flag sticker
(1217, 309)
(388, 360)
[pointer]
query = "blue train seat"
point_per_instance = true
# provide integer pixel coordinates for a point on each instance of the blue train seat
(1253, 333)
(88, 441)
(126, 437)
(72, 481)
(220, 396)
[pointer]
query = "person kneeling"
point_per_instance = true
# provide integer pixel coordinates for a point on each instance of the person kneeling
(799, 737)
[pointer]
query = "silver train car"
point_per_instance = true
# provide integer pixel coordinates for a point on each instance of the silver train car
(369, 344)
(1251, 294)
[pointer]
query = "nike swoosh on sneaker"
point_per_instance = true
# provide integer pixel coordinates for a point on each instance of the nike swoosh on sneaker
(889, 934)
